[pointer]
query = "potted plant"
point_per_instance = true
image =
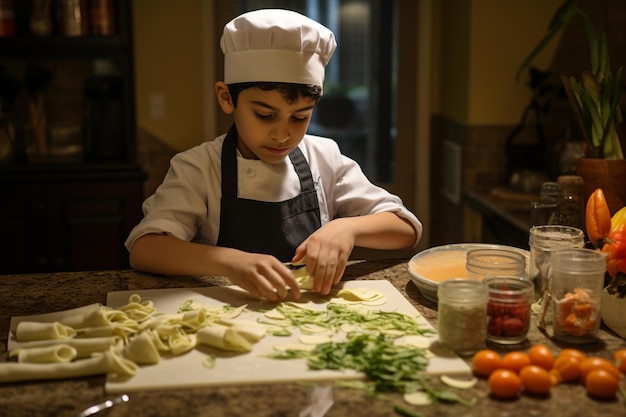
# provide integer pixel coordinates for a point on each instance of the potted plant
(609, 235)
(594, 97)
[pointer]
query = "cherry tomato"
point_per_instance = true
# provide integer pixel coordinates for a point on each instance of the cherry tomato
(542, 356)
(620, 360)
(596, 362)
(504, 384)
(601, 384)
(567, 368)
(535, 379)
(515, 361)
(485, 362)
(575, 353)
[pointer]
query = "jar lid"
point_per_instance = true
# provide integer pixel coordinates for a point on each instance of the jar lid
(570, 180)
(552, 237)
(579, 260)
(550, 191)
(495, 261)
(462, 291)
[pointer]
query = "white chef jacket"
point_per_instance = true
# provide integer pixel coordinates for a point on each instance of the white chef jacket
(187, 204)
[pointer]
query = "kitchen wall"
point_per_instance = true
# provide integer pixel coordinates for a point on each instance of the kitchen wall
(477, 101)
(169, 75)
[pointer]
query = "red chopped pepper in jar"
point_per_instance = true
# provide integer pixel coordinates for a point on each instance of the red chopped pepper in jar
(508, 309)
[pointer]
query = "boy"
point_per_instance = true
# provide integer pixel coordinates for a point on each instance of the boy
(266, 193)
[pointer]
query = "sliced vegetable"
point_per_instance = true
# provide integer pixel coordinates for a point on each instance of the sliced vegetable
(406, 412)
(209, 361)
(388, 365)
(418, 398)
(575, 313)
(458, 383)
(338, 317)
(293, 347)
(314, 339)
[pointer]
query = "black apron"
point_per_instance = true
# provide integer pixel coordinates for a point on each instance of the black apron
(275, 228)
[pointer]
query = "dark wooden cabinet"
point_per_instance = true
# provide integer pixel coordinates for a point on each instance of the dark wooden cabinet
(60, 213)
(70, 218)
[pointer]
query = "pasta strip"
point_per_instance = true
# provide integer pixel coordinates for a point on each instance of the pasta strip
(27, 331)
(84, 347)
(223, 337)
(45, 354)
(109, 362)
(142, 349)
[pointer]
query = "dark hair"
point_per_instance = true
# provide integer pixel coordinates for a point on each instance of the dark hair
(291, 92)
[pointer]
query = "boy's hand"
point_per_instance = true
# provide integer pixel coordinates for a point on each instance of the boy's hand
(263, 276)
(326, 253)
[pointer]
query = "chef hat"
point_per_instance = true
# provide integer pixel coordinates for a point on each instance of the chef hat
(273, 45)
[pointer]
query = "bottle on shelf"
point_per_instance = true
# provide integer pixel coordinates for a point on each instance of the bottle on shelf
(545, 211)
(570, 206)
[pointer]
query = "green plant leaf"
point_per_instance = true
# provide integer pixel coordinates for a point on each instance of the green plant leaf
(561, 18)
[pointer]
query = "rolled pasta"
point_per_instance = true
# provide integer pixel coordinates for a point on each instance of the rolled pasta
(223, 337)
(108, 317)
(181, 343)
(45, 354)
(114, 329)
(27, 331)
(84, 347)
(250, 330)
(109, 362)
(304, 280)
(194, 320)
(138, 309)
(142, 350)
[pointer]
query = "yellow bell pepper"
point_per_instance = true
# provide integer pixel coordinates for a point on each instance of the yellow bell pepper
(618, 221)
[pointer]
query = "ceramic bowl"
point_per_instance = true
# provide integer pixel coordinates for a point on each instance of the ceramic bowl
(431, 266)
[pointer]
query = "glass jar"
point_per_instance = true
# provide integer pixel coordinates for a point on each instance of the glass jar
(481, 263)
(462, 312)
(577, 282)
(508, 309)
(545, 211)
(543, 240)
(570, 206)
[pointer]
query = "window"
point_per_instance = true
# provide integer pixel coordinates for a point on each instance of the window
(358, 106)
(381, 73)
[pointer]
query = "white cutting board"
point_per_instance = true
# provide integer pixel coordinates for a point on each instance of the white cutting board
(187, 371)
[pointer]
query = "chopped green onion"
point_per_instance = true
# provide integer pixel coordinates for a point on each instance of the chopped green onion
(209, 361)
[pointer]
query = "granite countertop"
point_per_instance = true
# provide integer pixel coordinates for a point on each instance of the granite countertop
(44, 293)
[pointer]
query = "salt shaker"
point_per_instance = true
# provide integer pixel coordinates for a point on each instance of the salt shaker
(462, 311)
